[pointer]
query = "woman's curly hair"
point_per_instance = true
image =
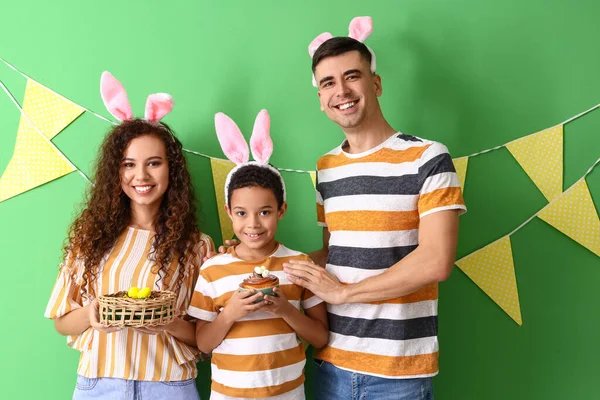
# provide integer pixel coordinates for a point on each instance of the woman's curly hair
(108, 213)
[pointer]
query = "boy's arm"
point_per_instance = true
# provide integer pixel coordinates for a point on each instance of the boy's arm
(317, 331)
(210, 334)
(311, 326)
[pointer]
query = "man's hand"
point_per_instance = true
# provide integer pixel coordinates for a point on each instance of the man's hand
(316, 279)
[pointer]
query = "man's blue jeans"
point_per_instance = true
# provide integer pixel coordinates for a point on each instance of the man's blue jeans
(332, 383)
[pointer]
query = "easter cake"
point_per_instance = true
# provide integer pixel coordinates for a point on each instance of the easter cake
(261, 280)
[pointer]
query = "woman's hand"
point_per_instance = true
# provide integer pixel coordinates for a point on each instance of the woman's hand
(93, 308)
(153, 330)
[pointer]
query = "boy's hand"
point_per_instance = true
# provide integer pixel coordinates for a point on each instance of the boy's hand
(277, 305)
(241, 304)
(222, 249)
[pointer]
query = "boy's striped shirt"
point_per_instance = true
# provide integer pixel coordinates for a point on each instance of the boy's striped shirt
(260, 356)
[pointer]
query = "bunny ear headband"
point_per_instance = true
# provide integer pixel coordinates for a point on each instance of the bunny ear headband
(360, 29)
(115, 99)
(236, 149)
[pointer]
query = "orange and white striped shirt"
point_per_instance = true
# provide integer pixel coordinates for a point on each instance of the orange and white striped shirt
(127, 354)
(261, 356)
(372, 204)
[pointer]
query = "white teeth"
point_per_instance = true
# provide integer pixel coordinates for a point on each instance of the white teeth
(252, 235)
(143, 189)
(347, 105)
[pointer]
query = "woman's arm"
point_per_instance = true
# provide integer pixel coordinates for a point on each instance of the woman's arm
(77, 321)
(74, 322)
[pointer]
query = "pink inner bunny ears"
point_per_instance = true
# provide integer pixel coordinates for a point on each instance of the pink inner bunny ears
(360, 29)
(317, 42)
(234, 145)
(115, 99)
(236, 149)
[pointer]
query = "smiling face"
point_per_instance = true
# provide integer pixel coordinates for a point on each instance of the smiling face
(255, 214)
(145, 171)
(348, 90)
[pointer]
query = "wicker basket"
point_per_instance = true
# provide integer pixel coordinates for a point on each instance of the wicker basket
(119, 310)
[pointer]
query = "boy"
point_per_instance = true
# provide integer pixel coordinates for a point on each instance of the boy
(252, 337)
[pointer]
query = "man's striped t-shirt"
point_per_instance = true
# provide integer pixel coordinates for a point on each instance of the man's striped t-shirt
(372, 204)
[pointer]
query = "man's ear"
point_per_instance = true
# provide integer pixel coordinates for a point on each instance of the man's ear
(319, 94)
(228, 211)
(378, 87)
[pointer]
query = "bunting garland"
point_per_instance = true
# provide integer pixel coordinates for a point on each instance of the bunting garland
(574, 214)
(36, 160)
(44, 114)
(313, 178)
(541, 156)
(220, 169)
(492, 269)
(460, 164)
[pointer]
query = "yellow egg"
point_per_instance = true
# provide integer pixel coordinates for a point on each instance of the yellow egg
(133, 292)
(144, 293)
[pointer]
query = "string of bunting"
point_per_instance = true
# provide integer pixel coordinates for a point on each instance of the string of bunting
(45, 113)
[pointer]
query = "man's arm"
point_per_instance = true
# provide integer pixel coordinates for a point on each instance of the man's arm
(431, 262)
(320, 256)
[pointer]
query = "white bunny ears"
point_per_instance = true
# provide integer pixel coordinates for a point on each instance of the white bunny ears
(360, 29)
(115, 99)
(236, 149)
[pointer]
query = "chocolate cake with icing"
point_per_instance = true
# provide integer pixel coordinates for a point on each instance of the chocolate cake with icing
(261, 278)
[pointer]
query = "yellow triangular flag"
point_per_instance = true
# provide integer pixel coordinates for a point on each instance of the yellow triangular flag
(493, 270)
(574, 214)
(50, 112)
(220, 169)
(34, 162)
(313, 178)
(460, 164)
(541, 156)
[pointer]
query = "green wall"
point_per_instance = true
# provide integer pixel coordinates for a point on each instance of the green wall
(472, 74)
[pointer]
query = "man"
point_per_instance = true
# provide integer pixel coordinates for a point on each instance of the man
(389, 206)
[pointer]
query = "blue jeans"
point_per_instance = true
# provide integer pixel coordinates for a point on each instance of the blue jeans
(121, 389)
(333, 383)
